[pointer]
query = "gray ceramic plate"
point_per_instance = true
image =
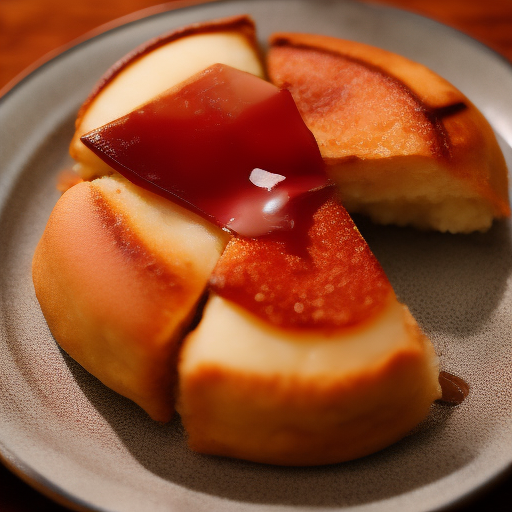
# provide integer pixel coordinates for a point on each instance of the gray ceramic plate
(69, 434)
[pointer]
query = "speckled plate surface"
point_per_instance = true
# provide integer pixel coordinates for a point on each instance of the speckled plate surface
(69, 434)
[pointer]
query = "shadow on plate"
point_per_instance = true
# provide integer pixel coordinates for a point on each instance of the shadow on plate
(451, 283)
(425, 456)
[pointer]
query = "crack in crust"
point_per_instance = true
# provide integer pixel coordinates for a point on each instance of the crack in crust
(441, 145)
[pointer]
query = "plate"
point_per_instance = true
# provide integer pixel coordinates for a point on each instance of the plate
(84, 444)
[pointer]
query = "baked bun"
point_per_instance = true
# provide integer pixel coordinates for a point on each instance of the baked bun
(403, 145)
(327, 369)
(119, 273)
(156, 66)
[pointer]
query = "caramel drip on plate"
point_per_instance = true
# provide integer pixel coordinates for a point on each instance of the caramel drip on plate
(454, 389)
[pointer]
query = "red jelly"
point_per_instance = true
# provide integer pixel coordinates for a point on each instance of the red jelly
(226, 143)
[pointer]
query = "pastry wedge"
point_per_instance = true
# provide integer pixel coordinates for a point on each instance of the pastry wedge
(403, 145)
(329, 369)
(154, 67)
(119, 273)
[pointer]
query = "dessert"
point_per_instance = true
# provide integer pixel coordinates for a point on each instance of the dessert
(168, 60)
(295, 283)
(407, 147)
(204, 260)
(119, 273)
(304, 359)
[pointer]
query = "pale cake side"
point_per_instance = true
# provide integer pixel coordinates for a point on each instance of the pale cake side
(168, 60)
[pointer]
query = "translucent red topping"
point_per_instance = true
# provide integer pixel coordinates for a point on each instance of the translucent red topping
(228, 144)
(234, 148)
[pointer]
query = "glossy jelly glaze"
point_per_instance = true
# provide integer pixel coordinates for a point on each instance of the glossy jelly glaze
(320, 275)
(228, 144)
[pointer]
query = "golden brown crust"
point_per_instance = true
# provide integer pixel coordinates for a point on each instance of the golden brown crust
(114, 300)
(432, 89)
(81, 304)
(476, 158)
(304, 420)
(421, 114)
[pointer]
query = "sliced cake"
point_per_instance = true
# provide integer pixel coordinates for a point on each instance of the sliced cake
(156, 66)
(304, 356)
(297, 291)
(119, 273)
(403, 145)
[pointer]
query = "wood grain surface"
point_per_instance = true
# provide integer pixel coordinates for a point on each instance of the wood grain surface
(31, 31)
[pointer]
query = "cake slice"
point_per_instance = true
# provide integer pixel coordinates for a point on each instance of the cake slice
(119, 273)
(154, 67)
(304, 355)
(403, 145)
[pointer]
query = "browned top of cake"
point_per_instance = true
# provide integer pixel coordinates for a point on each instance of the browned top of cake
(331, 282)
(364, 102)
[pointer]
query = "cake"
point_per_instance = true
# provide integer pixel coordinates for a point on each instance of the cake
(168, 60)
(304, 358)
(119, 273)
(403, 145)
(202, 261)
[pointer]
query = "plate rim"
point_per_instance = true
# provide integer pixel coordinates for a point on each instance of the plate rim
(155, 10)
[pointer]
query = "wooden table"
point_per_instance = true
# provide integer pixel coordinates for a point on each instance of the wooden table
(31, 29)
